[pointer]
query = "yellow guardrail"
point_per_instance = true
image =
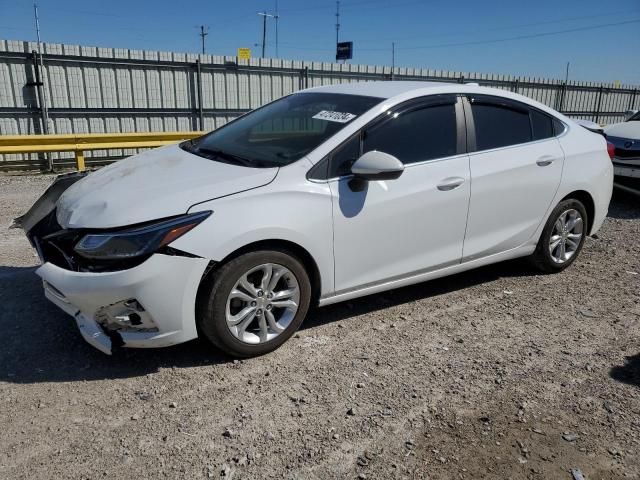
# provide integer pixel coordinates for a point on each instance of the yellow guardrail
(79, 143)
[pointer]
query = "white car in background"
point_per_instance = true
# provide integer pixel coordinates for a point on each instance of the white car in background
(325, 195)
(625, 137)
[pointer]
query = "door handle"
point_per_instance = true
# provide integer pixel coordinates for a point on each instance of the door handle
(545, 160)
(450, 183)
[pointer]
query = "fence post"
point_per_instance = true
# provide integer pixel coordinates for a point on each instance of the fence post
(42, 100)
(80, 160)
(306, 77)
(39, 84)
(199, 80)
(632, 100)
(515, 85)
(597, 110)
(562, 93)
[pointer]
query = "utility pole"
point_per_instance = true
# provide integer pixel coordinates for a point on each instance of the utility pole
(43, 94)
(264, 16)
(276, 17)
(566, 76)
(337, 22)
(40, 86)
(204, 31)
(35, 13)
(393, 58)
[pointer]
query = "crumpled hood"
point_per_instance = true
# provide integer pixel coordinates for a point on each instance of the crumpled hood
(154, 184)
(629, 130)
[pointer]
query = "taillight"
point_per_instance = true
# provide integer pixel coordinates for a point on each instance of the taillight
(611, 149)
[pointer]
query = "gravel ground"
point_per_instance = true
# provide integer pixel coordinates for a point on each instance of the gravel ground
(496, 373)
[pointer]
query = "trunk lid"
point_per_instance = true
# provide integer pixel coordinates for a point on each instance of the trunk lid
(630, 130)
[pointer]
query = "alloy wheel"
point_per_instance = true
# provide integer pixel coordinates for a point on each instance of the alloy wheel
(566, 236)
(262, 303)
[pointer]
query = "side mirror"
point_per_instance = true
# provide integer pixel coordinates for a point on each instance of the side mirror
(375, 165)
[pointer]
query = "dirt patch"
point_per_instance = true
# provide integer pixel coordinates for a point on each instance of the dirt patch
(496, 373)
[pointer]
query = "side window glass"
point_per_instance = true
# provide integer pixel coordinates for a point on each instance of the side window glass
(416, 135)
(499, 126)
(558, 127)
(542, 125)
(320, 170)
(343, 157)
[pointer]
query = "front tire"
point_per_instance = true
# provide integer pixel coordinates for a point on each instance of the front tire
(254, 303)
(562, 237)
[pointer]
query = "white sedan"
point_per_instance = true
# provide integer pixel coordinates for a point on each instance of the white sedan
(625, 137)
(325, 195)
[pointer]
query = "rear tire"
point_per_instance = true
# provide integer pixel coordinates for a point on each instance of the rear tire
(254, 303)
(562, 237)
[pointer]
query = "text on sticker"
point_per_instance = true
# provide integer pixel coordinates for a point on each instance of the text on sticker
(340, 117)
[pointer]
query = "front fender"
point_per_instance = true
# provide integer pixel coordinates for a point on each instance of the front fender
(299, 214)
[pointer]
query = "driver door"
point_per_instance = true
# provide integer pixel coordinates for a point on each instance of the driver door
(413, 224)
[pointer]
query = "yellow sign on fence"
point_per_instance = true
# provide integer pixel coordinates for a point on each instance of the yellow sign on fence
(244, 53)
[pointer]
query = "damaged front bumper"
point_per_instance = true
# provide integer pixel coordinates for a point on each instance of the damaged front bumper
(144, 302)
(150, 305)
(47, 202)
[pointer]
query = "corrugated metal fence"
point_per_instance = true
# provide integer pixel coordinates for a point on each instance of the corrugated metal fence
(95, 90)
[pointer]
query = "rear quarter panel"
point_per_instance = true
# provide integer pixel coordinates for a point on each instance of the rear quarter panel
(587, 167)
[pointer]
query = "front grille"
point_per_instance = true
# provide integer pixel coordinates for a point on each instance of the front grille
(47, 236)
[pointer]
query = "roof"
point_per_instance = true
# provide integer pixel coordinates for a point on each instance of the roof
(398, 91)
(380, 89)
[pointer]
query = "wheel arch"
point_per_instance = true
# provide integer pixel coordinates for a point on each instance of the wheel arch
(288, 246)
(586, 199)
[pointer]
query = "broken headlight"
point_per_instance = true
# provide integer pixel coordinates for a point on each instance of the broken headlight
(137, 241)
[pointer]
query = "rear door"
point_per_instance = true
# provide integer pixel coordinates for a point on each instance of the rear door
(516, 167)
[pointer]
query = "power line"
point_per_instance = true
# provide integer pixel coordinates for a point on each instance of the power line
(350, 5)
(507, 27)
(91, 13)
(523, 37)
(481, 42)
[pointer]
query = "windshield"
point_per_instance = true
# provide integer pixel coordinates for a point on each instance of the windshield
(283, 131)
(635, 117)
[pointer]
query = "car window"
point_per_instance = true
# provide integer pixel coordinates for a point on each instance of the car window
(343, 157)
(498, 125)
(542, 125)
(558, 127)
(416, 135)
(282, 131)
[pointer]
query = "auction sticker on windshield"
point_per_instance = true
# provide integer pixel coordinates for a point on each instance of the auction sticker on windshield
(340, 117)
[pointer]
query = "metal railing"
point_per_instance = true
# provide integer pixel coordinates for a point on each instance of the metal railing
(79, 143)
